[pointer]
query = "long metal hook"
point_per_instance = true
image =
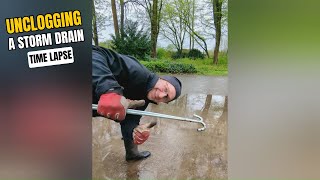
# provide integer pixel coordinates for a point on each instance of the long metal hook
(147, 113)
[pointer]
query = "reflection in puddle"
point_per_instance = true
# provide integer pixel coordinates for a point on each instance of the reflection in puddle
(178, 150)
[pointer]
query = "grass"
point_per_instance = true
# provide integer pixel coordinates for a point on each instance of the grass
(206, 66)
(203, 66)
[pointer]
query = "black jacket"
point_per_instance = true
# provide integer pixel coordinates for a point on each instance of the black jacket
(113, 72)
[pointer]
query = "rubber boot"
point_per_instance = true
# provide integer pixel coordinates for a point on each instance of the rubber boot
(132, 153)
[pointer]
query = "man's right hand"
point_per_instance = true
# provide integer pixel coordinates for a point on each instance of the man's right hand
(142, 132)
(114, 106)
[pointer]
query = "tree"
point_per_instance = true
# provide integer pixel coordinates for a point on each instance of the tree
(101, 18)
(115, 17)
(154, 12)
(196, 36)
(207, 23)
(179, 19)
(122, 17)
(154, 28)
(174, 26)
(94, 25)
(192, 20)
(134, 41)
(122, 5)
(217, 15)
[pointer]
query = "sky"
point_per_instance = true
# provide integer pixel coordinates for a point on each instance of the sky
(105, 34)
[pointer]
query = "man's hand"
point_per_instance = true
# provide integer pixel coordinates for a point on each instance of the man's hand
(114, 106)
(142, 132)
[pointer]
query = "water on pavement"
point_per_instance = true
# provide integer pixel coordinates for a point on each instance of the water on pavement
(178, 150)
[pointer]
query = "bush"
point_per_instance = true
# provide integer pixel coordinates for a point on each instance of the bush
(181, 68)
(155, 66)
(167, 67)
(195, 53)
(133, 42)
(163, 53)
(179, 55)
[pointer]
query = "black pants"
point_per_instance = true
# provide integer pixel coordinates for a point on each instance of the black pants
(128, 125)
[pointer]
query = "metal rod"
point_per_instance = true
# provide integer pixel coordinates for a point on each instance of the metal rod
(147, 113)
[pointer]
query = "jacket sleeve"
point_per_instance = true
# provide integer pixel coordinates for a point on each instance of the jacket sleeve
(103, 79)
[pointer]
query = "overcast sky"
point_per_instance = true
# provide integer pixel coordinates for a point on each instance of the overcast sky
(105, 34)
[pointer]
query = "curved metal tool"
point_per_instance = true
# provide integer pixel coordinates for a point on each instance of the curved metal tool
(146, 113)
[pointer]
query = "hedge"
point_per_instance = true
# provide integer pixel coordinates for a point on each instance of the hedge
(169, 67)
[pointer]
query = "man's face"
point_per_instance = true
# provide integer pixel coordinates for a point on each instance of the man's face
(163, 91)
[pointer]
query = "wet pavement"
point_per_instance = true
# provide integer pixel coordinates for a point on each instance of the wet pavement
(178, 150)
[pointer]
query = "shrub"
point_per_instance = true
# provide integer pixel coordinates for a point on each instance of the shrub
(155, 66)
(167, 67)
(195, 53)
(181, 68)
(163, 53)
(133, 42)
(179, 55)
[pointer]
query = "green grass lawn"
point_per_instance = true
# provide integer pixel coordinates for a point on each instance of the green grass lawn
(203, 66)
(206, 66)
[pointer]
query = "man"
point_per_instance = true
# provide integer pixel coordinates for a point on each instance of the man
(120, 82)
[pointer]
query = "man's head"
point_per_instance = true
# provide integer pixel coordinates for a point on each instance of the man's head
(165, 90)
